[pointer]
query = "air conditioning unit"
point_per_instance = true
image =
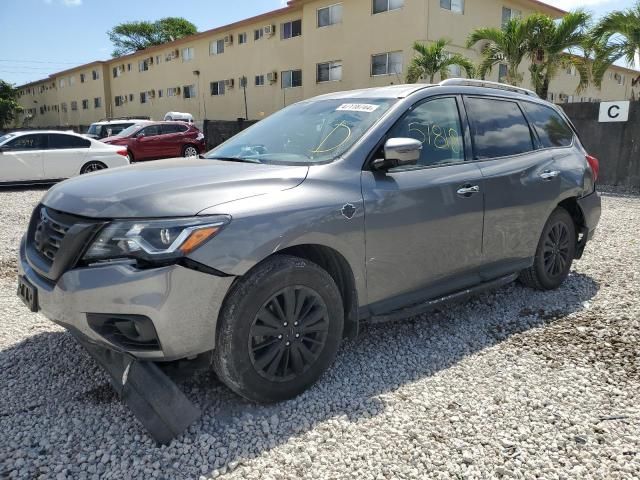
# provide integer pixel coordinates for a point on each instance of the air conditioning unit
(242, 82)
(229, 83)
(228, 40)
(269, 30)
(272, 77)
(151, 93)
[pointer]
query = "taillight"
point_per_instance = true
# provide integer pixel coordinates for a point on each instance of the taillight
(123, 152)
(595, 166)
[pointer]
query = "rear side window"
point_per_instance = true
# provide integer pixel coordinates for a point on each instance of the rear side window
(151, 130)
(498, 128)
(58, 141)
(167, 129)
(551, 128)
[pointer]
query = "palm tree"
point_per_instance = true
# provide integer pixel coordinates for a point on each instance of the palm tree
(622, 30)
(509, 44)
(598, 56)
(433, 59)
(551, 47)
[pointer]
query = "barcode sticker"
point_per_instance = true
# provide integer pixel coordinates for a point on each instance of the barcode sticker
(357, 107)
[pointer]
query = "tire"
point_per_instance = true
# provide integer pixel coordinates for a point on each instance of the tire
(130, 156)
(554, 254)
(249, 325)
(92, 166)
(189, 151)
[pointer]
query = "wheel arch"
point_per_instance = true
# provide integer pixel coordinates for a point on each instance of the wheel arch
(572, 206)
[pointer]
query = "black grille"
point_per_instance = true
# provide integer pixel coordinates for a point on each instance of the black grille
(55, 240)
(49, 234)
(131, 332)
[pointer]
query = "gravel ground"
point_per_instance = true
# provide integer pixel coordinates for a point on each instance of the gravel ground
(513, 384)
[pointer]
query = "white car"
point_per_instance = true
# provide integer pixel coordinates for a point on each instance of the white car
(49, 155)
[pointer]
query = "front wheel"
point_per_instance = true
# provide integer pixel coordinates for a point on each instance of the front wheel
(279, 329)
(190, 151)
(92, 167)
(555, 253)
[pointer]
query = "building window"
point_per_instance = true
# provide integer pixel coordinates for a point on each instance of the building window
(171, 92)
(158, 59)
(291, 78)
(291, 29)
(258, 34)
(189, 91)
(74, 105)
(386, 64)
(72, 80)
(62, 83)
(456, 6)
(97, 102)
(502, 73)
(82, 78)
(242, 38)
(216, 47)
(509, 14)
(119, 100)
(380, 6)
(143, 65)
(160, 93)
(330, 15)
(455, 71)
(95, 75)
(63, 107)
(259, 80)
(128, 67)
(143, 97)
(217, 88)
(85, 104)
(187, 54)
(329, 71)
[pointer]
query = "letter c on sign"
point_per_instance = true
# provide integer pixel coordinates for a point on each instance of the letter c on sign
(611, 108)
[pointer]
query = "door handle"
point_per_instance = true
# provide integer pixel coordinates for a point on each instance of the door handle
(468, 190)
(549, 174)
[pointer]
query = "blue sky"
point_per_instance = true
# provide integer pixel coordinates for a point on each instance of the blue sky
(40, 37)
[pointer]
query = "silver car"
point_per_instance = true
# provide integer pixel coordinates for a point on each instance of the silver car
(341, 210)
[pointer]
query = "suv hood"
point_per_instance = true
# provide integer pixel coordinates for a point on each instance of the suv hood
(168, 188)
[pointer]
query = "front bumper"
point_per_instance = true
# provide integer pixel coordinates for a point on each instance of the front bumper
(182, 304)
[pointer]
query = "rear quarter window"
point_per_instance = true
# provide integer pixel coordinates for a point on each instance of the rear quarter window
(60, 141)
(551, 128)
(498, 128)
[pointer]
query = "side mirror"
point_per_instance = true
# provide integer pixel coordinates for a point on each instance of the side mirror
(140, 135)
(399, 152)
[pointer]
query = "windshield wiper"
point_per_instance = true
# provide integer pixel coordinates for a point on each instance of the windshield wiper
(235, 159)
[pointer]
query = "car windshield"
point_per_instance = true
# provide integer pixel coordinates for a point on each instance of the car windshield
(94, 129)
(127, 132)
(307, 132)
(6, 137)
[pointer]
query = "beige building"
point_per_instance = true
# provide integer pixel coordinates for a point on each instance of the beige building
(308, 48)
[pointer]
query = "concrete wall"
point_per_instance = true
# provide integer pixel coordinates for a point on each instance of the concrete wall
(615, 144)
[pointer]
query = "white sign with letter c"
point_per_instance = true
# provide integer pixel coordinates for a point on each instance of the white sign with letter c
(614, 112)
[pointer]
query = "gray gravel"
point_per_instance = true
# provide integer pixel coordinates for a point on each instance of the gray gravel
(513, 384)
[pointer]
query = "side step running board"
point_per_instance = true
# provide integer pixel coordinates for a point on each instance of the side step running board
(429, 305)
(152, 396)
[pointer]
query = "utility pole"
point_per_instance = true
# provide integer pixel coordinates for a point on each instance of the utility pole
(243, 84)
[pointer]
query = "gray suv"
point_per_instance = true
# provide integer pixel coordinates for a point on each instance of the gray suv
(338, 211)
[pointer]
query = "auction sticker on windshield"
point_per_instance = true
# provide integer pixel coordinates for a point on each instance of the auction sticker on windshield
(357, 107)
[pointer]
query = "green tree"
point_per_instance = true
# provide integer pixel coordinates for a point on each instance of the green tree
(552, 46)
(432, 59)
(130, 37)
(9, 107)
(622, 31)
(509, 45)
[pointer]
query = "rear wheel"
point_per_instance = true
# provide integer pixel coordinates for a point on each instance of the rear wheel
(555, 253)
(189, 151)
(92, 167)
(280, 328)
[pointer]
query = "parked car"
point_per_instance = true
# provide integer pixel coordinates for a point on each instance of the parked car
(108, 128)
(153, 140)
(179, 116)
(45, 156)
(348, 208)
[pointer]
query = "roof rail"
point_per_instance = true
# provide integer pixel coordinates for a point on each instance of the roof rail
(470, 82)
(134, 117)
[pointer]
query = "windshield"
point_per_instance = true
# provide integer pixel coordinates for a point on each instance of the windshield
(307, 132)
(127, 132)
(94, 129)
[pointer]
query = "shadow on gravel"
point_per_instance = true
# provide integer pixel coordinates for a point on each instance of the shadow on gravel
(49, 381)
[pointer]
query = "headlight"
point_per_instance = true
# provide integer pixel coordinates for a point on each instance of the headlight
(153, 240)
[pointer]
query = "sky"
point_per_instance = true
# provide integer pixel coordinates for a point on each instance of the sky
(40, 37)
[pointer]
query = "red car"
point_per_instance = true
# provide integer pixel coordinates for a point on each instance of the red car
(153, 140)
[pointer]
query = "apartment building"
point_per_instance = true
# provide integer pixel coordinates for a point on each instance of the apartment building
(259, 65)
